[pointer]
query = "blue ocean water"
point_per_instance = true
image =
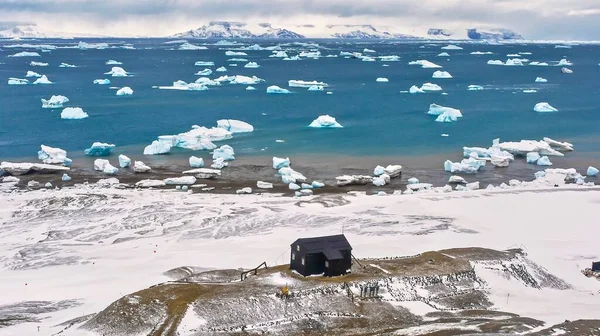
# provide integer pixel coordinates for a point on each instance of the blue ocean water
(378, 119)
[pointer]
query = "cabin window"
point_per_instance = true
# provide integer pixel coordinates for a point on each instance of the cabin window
(326, 264)
(297, 247)
(302, 261)
(293, 256)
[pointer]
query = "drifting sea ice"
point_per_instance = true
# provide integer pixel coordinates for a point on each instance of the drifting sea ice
(101, 81)
(475, 88)
(544, 161)
(495, 62)
(117, 72)
(443, 54)
(99, 149)
(529, 91)
(205, 72)
(392, 58)
(224, 152)
(25, 54)
(39, 64)
(415, 89)
(67, 65)
(124, 161)
(183, 86)
(235, 53)
(441, 74)
(252, 65)
(482, 53)
(544, 107)
(189, 46)
(124, 91)
(207, 81)
(533, 157)
(33, 74)
(51, 155)
(425, 64)
(539, 63)
(204, 63)
(17, 81)
(564, 62)
(431, 87)
(73, 113)
(113, 62)
(541, 80)
(237, 60)
(42, 80)
(293, 58)
(235, 126)
(445, 114)
(54, 102)
(279, 54)
(274, 89)
(305, 84)
(221, 69)
(452, 47)
(316, 88)
(382, 80)
(325, 121)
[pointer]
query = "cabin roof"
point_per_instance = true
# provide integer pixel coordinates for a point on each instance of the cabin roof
(330, 246)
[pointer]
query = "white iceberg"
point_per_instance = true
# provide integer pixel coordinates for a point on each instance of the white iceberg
(40, 64)
(289, 175)
(161, 146)
(237, 60)
(279, 163)
(293, 58)
(544, 161)
(124, 161)
(445, 114)
(526, 146)
(221, 69)
(592, 171)
(566, 71)
(33, 74)
(196, 162)
(125, 91)
(189, 46)
(316, 88)
(51, 155)
(279, 54)
(368, 50)
(140, 167)
(67, 65)
(206, 81)
(564, 146)
(101, 81)
(219, 163)
(66, 178)
(25, 54)
(239, 79)
(187, 180)
(431, 87)
(475, 88)
(105, 167)
(457, 179)
(452, 47)
(42, 80)
(544, 107)
(113, 62)
(117, 72)
(250, 88)
(224, 152)
(73, 113)
(264, 185)
(235, 53)
(305, 84)
(514, 62)
(443, 54)
(204, 63)
(205, 72)
(541, 80)
(54, 102)
(415, 89)
(392, 58)
(564, 62)
(294, 186)
(184, 86)
(381, 180)
(425, 64)
(482, 53)
(325, 121)
(150, 183)
(252, 65)
(382, 80)
(235, 126)
(529, 91)
(468, 166)
(495, 62)
(99, 149)
(277, 90)
(441, 74)
(379, 170)
(310, 54)
(539, 63)
(533, 157)
(346, 180)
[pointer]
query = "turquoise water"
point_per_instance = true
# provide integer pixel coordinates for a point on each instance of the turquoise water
(378, 119)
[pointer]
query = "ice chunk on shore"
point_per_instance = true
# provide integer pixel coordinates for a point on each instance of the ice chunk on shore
(221, 69)
(393, 170)
(431, 87)
(161, 146)
(325, 121)
(305, 84)
(592, 171)
(469, 166)
(150, 183)
(475, 88)
(264, 185)
(196, 162)
(279, 163)
(113, 62)
(525, 146)
(457, 179)
(66, 178)
(99, 149)
(117, 72)
(379, 170)
(187, 180)
(244, 191)
(204, 63)
(533, 157)
(125, 91)
(235, 126)
(425, 64)
(205, 72)
(33, 74)
(291, 174)
(124, 161)
(443, 54)
(544, 161)
(140, 167)
(346, 180)
(541, 80)
(294, 186)
(452, 47)
(252, 65)
(42, 80)
(565, 146)
(39, 64)
(101, 81)
(382, 80)
(544, 107)
(381, 180)
(54, 102)
(224, 152)
(415, 89)
(25, 54)
(413, 180)
(317, 185)
(441, 74)
(73, 113)
(277, 90)
(51, 155)
(105, 167)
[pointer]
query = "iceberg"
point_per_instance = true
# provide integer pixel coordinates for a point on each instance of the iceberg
(67, 65)
(113, 62)
(317, 184)
(105, 167)
(196, 162)
(42, 80)
(206, 81)
(235, 53)
(219, 164)
(381, 180)
(541, 80)
(51, 155)
(264, 185)
(452, 47)
(430, 87)
(54, 102)
(99, 149)
(495, 62)
(346, 180)
(124, 161)
(447, 116)
(150, 183)
(183, 86)
(161, 146)
(368, 50)
(413, 180)
(188, 180)
(40, 64)
(125, 91)
(316, 88)
(482, 53)
(457, 179)
(294, 186)
(73, 113)
(379, 170)
(235, 126)
(529, 91)
(525, 146)
(277, 90)
(221, 69)
(325, 121)
(252, 65)
(205, 72)
(514, 62)
(140, 167)
(475, 88)
(564, 146)
(533, 157)
(238, 79)
(237, 60)
(415, 89)
(224, 152)
(368, 59)
(66, 178)
(305, 84)
(592, 171)
(468, 166)
(392, 58)
(382, 80)
(288, 175)
(279, 54)
(279, 163)
(293, 58)
(117, 72)
(101, 81)
(33, 74)
(566, 71)
(393, 170)
(441, 74)
(544, 161)
(544, 107)
(425, 64)
(250, 88)
(562, 62)
(310, 54)
(25, 54)
(189, 46)
(204, 63)
(443, 54)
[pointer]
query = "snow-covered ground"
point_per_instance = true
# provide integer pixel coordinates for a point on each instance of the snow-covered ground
(97, 245)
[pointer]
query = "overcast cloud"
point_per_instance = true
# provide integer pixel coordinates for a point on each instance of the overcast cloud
(535, 19)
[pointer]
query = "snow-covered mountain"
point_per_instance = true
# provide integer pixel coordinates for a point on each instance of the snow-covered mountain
(20, 30)
(363, 32)
(496, 34)
(226, 29)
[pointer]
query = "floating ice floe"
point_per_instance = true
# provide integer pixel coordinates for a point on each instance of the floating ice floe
(452, 47)
(54, 102)
(475, 88)
(368, 59)
(237, 60)
(529, 91)
(533, 157)
(39, 64)
(564, 62)
(310, 54)
(42, 80)
(235, 53)
(482, 53)
(188, 180)
(541, 80)
(86, 45)
(250, 88)
(544, 107)
(25, 54)
(316, 88)
(196, 162)
(346, 180)
(430, 87)
(203, 173)
(124, 161)
(189, 46)
(224, 152)
(140, 167)
(305, 84)
(391, 58)
(563, 146)
(425, 64)
(33, 74)
(252, 65)
(204, 63)
(293, 58)
(325, 121)
(368, 50)
(443, 54)
(101, 81)
(239, 79)
(495, 62)
(544, 161)
(445, 114)
(105, 167)
(279, 163)
(117, 72)
(67, 65)
(538, 63)
(415, 89)
(382, 80)
(99, 149)
(183, 86)
(441, 74)
(279, 54)
(592, 171)
(207, 81)
(235, 126)
(51, 155)
(468, 166)
(73, 113)
(205, 72)
(277, 90)
(221, 69)
(113, 62)
(566, 71)
(124, 91)
(161, 146)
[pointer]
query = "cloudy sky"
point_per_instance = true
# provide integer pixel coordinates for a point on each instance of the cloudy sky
(535, 19)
